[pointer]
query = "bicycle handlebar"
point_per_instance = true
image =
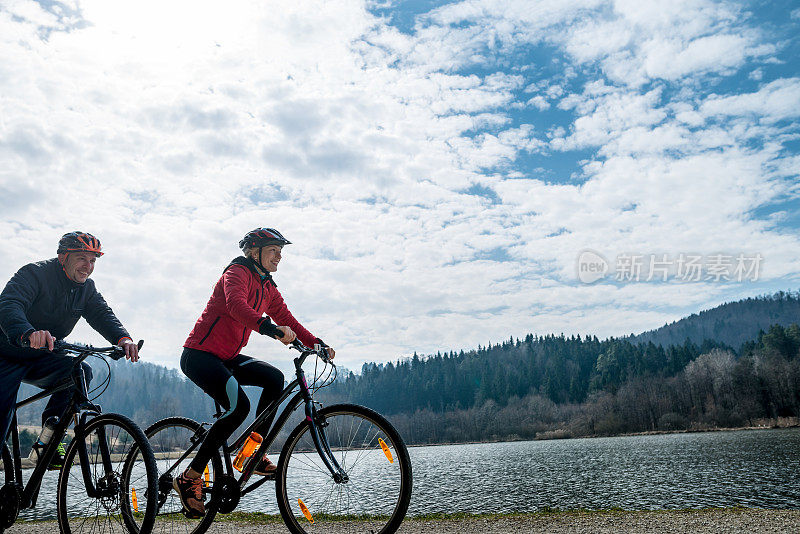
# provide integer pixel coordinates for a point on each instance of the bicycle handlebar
(318, 349)
(115, 352)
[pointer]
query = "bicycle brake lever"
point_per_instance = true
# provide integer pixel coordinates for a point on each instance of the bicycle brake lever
(119, 351)
(322, 352)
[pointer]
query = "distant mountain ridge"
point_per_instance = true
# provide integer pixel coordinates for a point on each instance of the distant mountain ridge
(732, 323)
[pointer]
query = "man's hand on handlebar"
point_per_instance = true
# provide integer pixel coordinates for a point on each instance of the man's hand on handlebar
(131, 350)
(41, 339)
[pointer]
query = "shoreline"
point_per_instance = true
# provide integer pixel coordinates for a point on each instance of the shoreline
(548, 437)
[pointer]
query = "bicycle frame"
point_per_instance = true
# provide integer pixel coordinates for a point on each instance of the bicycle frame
(79, 404)
(317, 432)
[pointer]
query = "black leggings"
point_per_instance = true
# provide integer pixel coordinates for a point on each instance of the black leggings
(223, 380)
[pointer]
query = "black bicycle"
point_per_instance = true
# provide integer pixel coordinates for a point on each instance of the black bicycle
(344, 467)
(109, 479)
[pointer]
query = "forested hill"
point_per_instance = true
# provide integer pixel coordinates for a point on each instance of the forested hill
(732, 323)
(541, 386)
(562, 369)
(557, 386)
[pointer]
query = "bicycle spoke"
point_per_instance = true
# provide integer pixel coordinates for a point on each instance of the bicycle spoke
(313, 466)
(377, 487)
(364, 447)
(112, 454)
(170, 439)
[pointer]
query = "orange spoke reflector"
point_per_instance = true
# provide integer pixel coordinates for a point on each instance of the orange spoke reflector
(304, 509)
(386, 450)
(134, 500)
(206, 475)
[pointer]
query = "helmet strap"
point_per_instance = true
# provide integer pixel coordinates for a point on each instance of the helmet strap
(64, 267)
(259, 264)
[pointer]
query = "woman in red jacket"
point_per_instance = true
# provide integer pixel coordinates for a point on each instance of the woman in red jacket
(211, 355)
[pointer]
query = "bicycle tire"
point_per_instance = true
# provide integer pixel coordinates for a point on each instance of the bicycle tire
(167, 437)
(9, 491)
(77, 511)
(353, 433)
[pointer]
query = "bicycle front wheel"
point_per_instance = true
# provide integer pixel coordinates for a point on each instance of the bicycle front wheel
(96, 492)
(375, 495)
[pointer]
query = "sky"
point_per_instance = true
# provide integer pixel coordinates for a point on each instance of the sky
(450, 174)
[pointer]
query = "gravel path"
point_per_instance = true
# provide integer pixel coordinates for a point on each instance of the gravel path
(705, 521)
(700, 521)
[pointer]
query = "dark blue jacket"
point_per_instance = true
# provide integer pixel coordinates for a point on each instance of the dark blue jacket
(40, 296)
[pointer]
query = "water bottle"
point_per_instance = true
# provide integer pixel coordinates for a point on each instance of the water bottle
(43, 439)
(253, 440)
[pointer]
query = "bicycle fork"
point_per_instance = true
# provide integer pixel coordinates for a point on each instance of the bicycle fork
(109, 488)
(317, 430)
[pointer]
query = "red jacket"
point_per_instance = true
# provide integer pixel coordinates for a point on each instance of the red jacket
(236, 308)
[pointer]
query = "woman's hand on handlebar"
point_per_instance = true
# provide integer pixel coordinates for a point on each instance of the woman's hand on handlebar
(331, 352)
(288, 335)
(41, 339)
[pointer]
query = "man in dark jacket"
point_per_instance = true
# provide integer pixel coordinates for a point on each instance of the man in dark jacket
(41, 303)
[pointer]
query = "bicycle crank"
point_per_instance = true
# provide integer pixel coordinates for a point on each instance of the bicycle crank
(228, 493)
(10, 496)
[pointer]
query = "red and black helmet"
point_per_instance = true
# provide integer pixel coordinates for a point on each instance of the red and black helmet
(79, 242)
(261, 237)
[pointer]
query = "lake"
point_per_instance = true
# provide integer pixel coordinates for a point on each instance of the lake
(751, 468)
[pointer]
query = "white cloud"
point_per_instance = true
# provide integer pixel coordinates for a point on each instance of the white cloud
(672, 60)
(637, 42)
(611, 113)
(775, 101)
(539, 102)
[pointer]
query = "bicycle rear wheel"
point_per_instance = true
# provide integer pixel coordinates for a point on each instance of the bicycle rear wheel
(375, 496)
(8, 463)
(118, 484)
(169, 439)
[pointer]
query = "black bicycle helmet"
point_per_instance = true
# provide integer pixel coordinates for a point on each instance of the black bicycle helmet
(261, 237)
(79, 242)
